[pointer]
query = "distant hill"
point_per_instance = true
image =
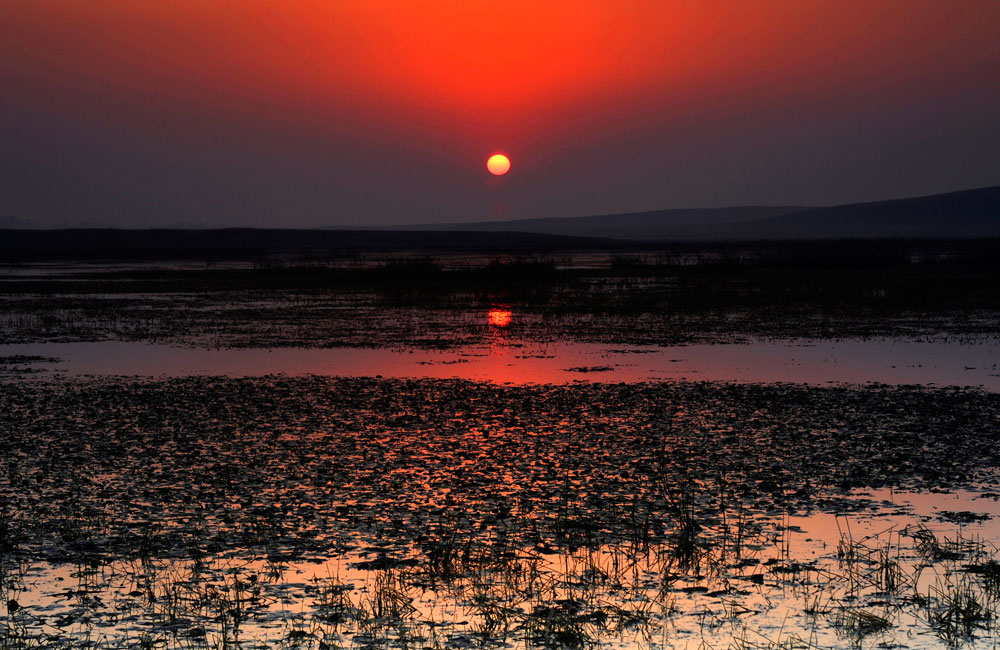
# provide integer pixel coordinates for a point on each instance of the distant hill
(969, 213)
(965, 214)
(652, 225)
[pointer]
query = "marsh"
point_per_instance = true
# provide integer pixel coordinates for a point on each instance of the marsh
(183, 467)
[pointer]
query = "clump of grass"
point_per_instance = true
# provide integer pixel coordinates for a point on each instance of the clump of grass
(753, 640)
(989, 573)
(564, 624)
(333, 602)
(873, 562)
(9, 534)
(936, 550)
(860, 623)
(958, 611)
(889, 576)
(448, 550)
(388, 600)
(818, 604)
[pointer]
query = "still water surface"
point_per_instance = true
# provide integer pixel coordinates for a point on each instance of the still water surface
(503, 360)
(893, 573)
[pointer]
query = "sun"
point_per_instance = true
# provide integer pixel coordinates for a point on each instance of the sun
(498, 164)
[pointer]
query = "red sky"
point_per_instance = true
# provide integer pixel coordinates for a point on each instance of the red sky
(251, 112)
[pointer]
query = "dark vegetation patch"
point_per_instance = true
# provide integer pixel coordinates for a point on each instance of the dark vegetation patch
(23, 364)
(318, 513)
(15, 359)
(194, 466)
(254, 243)
(675, 294)
(962, 517)
(588, 369)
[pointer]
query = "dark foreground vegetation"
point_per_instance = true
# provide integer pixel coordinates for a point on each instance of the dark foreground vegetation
(251, 243)
(223, 463)
(312, 512)
(672, 294)
(454, 514)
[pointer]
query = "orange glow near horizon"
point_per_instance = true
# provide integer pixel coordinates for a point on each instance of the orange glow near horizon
(494, 67)
(359, 112)
(499, 317)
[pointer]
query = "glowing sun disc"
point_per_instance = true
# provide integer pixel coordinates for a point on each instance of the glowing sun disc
(498, 164)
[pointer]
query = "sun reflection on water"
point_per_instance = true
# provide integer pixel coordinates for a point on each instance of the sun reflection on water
(499, 317)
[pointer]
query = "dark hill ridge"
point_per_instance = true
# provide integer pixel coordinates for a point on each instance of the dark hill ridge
(627, 225)
(965, 214)
(968, 213)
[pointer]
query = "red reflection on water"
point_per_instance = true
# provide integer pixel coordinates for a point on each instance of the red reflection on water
(499, 317)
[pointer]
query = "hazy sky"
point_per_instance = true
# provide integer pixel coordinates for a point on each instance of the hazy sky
(323, 112)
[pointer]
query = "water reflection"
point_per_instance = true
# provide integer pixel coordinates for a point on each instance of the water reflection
(499, 316)
(835, 581)
(885, 361)
(317, 513)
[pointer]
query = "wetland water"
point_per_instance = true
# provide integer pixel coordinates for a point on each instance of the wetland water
(289, 511)
(507, 360)
(546, 478)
